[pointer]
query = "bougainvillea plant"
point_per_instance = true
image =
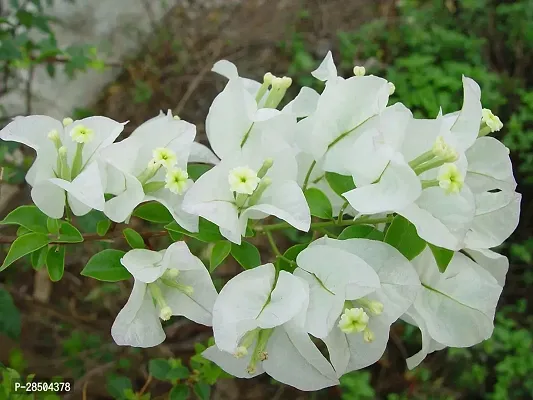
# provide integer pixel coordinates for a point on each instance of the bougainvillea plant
(417, 204)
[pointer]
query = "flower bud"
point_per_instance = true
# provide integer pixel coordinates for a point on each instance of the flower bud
(171, 273)
(368, 336)
(166, 313)
(392, 88)
(359, 70)
(67, 121)
(267, 164)
(240, 352)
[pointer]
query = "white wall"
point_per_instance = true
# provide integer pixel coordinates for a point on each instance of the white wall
(116, 27)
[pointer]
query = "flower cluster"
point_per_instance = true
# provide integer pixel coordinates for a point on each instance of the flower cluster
(444, 177)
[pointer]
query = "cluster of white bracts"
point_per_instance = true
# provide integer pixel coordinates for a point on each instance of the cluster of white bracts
(444, 175)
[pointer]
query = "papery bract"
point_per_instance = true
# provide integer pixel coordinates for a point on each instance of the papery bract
(258, 327)
(168, 282)
(66, 167)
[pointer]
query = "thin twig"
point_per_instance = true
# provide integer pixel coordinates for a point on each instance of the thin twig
(91, 237)
(146, 384)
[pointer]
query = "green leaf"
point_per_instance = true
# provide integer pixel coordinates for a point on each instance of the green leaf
(10, 321)
(55, 262)
(246, 255)
(442, 256)
(38, 258)
(202, 390)
(159, 368)
(219, 253)
(68, 233)
(24, 245)
(118, 385)
(22, 231)
(291, 253)
(179, 392)
(175, 236)
(105, 266)
(30, 217)
(402, 235)
(134, 239)
(319, 203)
(178, 372)
(340, 183)
(103, 226)
(361, 231)
(197, 170)
(208, 232)
(52, 225)
(153, 212)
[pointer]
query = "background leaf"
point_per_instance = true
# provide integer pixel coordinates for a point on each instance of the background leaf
(319, 204)
(153, 212)
(133, 238)
(10, 320)
(402, 235)
(442, 256)
(361, 231)
(219, 253)
(340, 183)
(23, 245)
(246, 255)
(29, 217)
(106, 266)
(55, 262)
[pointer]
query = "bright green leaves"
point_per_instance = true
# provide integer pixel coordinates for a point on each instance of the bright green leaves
(442, 256)
(68, 233)
(179, 392)
(319, 204)
(53, 226)
(246, 255)
(219, 253)
(134, 239)
(103, 226)
(402, 235)
(208, 232)
(105, 266)
(153, 212)
(30, 217)
(168, 370)
(340, 183)
(10, 321)
(55, 262)
(24, 245)
(197, 170)
(361, 232)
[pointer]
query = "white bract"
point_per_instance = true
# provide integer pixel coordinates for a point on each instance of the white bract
(455, 308)
(251, 184)
(66, 169)
(151, 164)
(258, 324)
(358, 288)
(168, 282)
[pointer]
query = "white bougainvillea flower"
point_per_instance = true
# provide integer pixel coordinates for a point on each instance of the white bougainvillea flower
(455, 308)
(251, 184)
(358, 288)
(301, 106)
(66, 167)
(258, 327)
(168, 282)
(151, 164)
(342, 107)
(244, 113)
(496, 264)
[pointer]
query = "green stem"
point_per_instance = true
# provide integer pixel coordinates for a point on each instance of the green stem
(308, 175)
(347, 222)
(341, 212)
